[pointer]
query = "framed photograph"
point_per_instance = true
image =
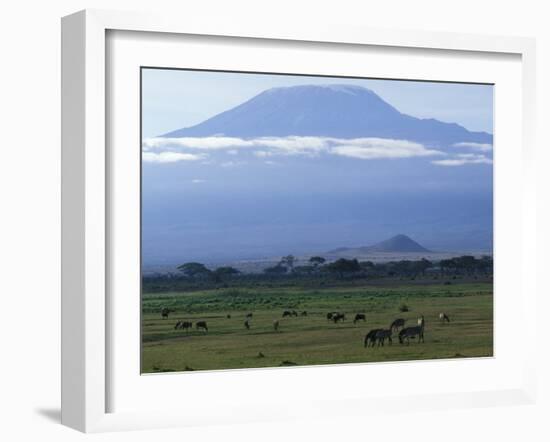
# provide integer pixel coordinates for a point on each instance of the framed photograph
(259, 220)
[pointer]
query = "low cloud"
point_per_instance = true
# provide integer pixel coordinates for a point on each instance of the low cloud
(266, 147)
(198, 181)
(483, 147)
(169, 157)
(378, 148)
(463, 159)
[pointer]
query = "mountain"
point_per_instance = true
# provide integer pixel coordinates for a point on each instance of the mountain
(395, 244)
(343, 111)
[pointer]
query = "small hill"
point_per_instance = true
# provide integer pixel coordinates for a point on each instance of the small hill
(396, 244)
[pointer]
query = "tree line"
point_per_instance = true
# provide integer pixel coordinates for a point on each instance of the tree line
(342, 268)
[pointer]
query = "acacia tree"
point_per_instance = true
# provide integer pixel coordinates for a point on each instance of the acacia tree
(222, 272)
(343, 266)
(194, 269)
(317, 261)
(288, 262)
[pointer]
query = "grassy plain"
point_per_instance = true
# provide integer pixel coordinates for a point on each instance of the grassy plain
(311, 339)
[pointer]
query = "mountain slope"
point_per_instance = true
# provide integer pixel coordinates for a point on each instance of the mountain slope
(396, 244)
(342, 111)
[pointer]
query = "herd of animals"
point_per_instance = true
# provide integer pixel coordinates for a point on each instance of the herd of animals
(375, 337)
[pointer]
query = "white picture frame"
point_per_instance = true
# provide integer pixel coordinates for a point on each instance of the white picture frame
(86, 209)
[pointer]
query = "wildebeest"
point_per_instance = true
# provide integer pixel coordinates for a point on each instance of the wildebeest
(228, 316)
(165, 312)
(294, 313)
(329, 316)
(276, 324)
(247, 324)
(359, 317)
(370, 337)
(201, 324)
(183, 325)
(397, 324)
(412, 332)
(382, 335)
(248, 315)
(287, 313)
(304, 313)
(443, 317)
(338, 317)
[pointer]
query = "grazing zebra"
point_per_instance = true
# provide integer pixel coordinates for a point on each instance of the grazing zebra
(359, 317)
(398, 323)
(412, 332)
(370, 337)
(165, 312)
(183, 325)
(276, 324)
(247, 324)
(201, 324)
(444, 318)
(248, 315)
(382, 335)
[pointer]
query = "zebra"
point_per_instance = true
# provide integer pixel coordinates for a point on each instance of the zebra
(184, 325)
(412, 332)
(398, 323)
(370, 337)
(201, 324)
(165, 312)
(381, 336)
(443, 317)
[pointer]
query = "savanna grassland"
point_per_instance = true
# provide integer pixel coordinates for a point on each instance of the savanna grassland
(312, 339)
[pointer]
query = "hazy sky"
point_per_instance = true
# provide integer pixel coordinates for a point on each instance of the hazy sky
(221, 198)
(173, 99)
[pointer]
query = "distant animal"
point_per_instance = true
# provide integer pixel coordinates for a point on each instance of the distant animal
(397, 324)
(329, 316)
(370, 337)
(359, 317)
(338, 317)
(248, 315)
(201, 324)
(382, 335)
(247, 324)
(165, 312)
(183, 325)
(276, 324)
(304, 313)
(228, 316)
(294, 313)
(287, 313)
(412, 332)
(443, 317)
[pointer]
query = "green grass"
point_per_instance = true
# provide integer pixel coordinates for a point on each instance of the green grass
(312, 340)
